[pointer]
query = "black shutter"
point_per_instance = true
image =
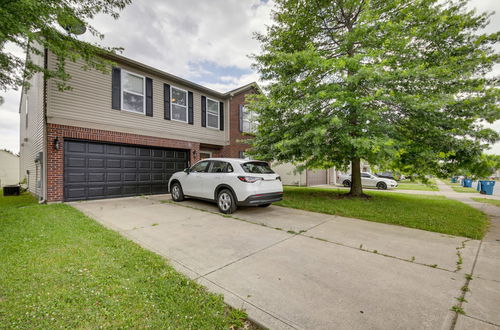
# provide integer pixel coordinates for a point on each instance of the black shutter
(166, 101)
(221, 115)
(203, 111)
(190, 108)
(149, 97)
(116, 89)
(240, 111)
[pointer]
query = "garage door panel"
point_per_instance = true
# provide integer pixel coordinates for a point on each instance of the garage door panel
(144, 177)
(113, 190)
(76, 177)
(113, 163)
(145, 164)
(96, 163)
(95, 148)
(157, 165)
(77, 147)
(75, 161)
(157, 177)
(95, 170)
(113, 149)
(159, 189)
(94, 192)
(96, 177)
(129, 151)
(75, 193)
(129, 163)
(114, 177)
(129, 176)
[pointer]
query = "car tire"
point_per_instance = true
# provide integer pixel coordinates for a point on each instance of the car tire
(176, 192)
(346, 183)
(226, 201)
(382, 186)
(264, 205)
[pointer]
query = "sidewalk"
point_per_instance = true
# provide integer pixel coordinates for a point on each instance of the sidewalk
(482, 301)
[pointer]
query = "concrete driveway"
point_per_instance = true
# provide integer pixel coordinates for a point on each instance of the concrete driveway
(296, 269)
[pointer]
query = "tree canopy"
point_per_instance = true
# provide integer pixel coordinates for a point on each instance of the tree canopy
(35, 25)
(400, 83)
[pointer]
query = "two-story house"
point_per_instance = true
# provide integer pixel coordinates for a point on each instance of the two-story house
(123, 133)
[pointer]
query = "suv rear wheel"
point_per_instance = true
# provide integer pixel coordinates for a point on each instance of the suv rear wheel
(226, 201)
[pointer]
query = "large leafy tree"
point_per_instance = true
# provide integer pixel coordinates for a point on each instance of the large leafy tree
(398, 83)
(35, 25)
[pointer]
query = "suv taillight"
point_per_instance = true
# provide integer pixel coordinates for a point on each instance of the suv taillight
(249, 179)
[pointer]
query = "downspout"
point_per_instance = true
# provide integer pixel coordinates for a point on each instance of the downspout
(45, 142)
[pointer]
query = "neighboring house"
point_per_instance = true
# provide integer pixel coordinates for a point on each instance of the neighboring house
(292, 177)
(9, 168)
(122, 134)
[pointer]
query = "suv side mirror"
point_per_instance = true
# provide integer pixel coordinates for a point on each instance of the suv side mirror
(187, 170)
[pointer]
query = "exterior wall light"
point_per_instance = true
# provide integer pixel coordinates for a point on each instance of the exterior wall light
(57, 143)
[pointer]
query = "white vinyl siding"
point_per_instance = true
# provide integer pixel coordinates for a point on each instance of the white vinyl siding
(32, 132)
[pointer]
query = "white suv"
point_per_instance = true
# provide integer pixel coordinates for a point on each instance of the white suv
(229, 182)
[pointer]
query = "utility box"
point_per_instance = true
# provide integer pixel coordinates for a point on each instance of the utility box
(12, 190)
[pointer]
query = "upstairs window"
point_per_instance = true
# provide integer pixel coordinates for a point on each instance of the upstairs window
(212, 113)
(248, 120)
(133, 87)
(179, 104)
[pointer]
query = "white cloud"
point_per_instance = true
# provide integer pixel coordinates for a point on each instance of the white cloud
(190, 38)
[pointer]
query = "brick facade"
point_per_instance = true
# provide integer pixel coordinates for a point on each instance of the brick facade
(235, 147)
(55, 158)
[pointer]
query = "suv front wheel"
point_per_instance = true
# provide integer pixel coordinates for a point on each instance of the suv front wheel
(176, 192)
(226, 201)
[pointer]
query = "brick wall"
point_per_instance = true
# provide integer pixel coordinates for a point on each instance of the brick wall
(55, 158)
(234, 148)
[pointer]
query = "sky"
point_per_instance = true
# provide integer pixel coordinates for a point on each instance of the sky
(207, 42)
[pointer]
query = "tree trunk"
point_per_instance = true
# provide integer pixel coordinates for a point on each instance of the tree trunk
(356, 187)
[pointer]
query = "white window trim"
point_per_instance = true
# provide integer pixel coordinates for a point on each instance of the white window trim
(250, 119)
(186, 106)
(218, 113)
(206, 152)
(122, 89)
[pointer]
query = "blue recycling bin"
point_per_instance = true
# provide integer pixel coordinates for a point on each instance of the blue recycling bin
(487, 187)
(467, 183)
(454, 180)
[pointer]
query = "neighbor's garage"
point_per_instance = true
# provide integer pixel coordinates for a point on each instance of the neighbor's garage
(316, 177)
(94, 170)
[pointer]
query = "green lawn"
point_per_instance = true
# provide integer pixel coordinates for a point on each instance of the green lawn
(461, 189)
(458, 188)
(61, 269)
(417, 186)
(495, 202)
(432, 213)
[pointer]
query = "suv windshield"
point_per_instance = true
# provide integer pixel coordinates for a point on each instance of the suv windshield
(257, 168)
